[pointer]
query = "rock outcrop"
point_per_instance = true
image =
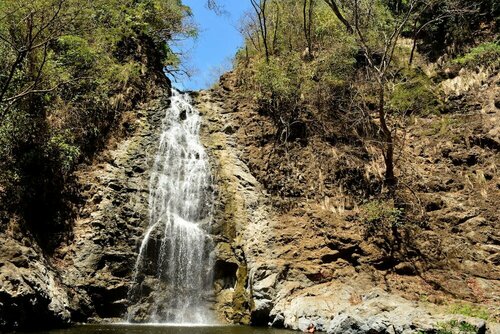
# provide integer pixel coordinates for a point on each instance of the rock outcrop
(88, 276)
(241, 214)
(286, 225)
(100, 259)
(32, 295)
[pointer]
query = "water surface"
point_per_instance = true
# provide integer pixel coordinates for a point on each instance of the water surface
(160, 329)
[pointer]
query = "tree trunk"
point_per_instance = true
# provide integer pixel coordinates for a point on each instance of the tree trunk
(260, 10)
(307, 18)
(390, 178)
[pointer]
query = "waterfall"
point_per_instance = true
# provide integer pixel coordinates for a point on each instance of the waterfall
(173, 272)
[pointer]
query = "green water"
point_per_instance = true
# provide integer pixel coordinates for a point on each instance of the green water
(147, 329)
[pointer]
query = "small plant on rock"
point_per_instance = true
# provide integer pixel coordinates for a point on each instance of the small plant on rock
(390, 227)
(456, 327)
(470, 310)
(380, 215)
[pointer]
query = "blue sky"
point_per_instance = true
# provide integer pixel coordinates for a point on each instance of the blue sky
(217, 42)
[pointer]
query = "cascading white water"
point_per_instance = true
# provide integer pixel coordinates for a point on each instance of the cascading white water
(176, 247)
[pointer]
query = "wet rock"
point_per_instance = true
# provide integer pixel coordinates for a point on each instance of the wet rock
(99, 261)
(111, 301)
(345, 324)
(263, 292)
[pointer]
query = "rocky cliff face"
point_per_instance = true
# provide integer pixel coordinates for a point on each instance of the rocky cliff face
(99, 261)
(241, 214)
(292, 250)
(32, 295)
(290, 247)
(89, 275)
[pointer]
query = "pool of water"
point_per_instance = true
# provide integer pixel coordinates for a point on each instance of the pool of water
(162, 329)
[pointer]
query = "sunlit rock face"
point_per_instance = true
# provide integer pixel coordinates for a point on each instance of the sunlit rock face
(289, 252)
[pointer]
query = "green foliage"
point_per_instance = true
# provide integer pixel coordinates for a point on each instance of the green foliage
(278, 85)
(484, 55)
(445, 127)
(458, 24)
(456, 327)
(278, 82)
(334, 68)
(13, 132)
(67, 153)
(415, 93)
(292, 82)
(376, 213)
(75, 53)
(69, 67)
(470, 310)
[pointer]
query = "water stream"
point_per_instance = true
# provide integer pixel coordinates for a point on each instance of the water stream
(173, 272)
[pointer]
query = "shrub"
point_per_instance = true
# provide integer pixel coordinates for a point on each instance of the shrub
(456, 327)
(485, 55)
(67, 153)
(64, 85)
(278, 89)
(470, 310)
(415, 93)
(75, 52)
(378, 212)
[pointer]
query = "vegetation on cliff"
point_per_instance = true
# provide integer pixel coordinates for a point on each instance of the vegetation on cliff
(69, 68)
(360, 67)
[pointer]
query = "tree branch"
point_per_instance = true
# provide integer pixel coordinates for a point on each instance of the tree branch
(336, 11)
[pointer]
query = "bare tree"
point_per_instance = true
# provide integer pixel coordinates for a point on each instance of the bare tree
(247, 26)
(380, 61)
(379, 64)
(275, 28)
(448, 9)
(216, 7)
(260, 7)
(380, 70)
(212, 4)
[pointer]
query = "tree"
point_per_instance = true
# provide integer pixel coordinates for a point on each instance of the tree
(367, 18)
(216, 7)
(69, 69)
(307, 16)
(260, 7)
(26, 31)
(432, 12)
(444, 24)
(335, 8)
(381, 71)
